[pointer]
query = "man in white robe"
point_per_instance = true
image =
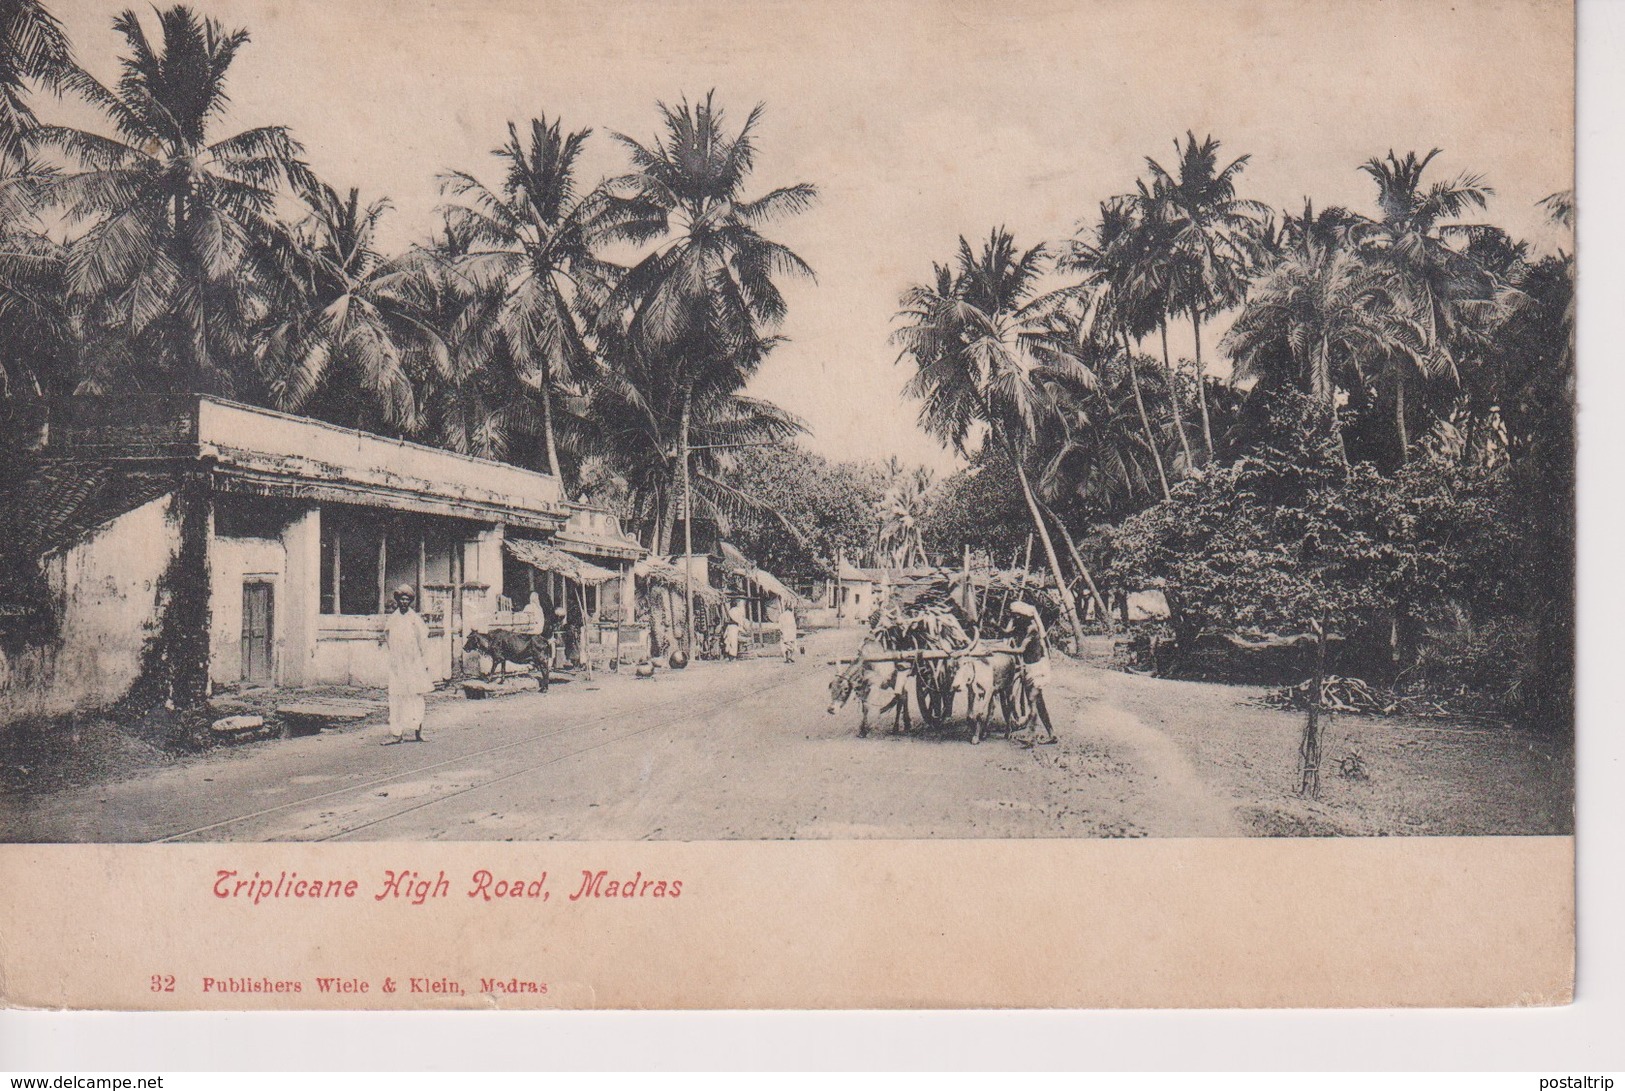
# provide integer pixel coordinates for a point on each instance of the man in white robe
(406, 636)
(787, 632)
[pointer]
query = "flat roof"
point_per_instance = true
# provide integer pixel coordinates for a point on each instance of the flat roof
(265, 452)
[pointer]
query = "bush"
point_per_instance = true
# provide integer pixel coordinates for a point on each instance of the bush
(1289, 535)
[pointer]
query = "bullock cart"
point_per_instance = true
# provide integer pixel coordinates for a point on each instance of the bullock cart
(935, 672)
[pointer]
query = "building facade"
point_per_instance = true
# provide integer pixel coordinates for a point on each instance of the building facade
(254, 547)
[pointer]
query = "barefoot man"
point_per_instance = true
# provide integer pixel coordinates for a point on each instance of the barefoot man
(787, 632)
(406, 636)
(1027, 634)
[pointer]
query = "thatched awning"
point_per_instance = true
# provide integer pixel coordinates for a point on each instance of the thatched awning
(546, 558)
(773, 586)
(663, 572)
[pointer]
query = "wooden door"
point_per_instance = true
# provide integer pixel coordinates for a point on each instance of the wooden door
(258, 665)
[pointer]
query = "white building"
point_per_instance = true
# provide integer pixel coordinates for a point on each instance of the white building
(158, 520)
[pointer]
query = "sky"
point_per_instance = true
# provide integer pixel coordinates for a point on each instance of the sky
(918, 120)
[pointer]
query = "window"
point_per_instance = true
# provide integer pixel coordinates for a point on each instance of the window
(352, 556)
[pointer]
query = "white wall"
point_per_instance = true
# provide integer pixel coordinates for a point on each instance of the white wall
(233, 561)
(107, 586)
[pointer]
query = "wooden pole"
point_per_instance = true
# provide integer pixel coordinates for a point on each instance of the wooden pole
(383, 571)
(840, 586)
(1309, 749)
(981, 599)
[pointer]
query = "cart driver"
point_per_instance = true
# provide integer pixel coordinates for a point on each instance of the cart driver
(1026, 632)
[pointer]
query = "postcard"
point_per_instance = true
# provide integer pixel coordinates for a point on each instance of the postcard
(915, 503)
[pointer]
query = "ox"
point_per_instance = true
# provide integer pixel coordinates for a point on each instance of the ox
(992, 674)
(505, 646)
(866, 678)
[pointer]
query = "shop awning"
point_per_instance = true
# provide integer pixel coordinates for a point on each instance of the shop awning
(666, 574)
(546, 558)
(770, 583)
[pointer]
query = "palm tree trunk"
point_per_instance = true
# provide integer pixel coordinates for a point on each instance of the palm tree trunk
(547, 429)
(668, 519)
(1399, 418)
(1201, 383)
(1077, 562)
(1145, 420)
(1326, 394)
(1173, 397)
(1069, 605)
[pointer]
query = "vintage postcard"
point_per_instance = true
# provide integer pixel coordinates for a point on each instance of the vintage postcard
(723, 503)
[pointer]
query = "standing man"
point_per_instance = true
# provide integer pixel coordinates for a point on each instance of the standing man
(787, 632)
(1026, 630)
(557, 635)
(406, 636)
(733, 622)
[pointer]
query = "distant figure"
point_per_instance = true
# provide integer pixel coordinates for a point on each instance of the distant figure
(406, 637)
(1026, 632)
(558, 632)
(787, 632)
(733, 629)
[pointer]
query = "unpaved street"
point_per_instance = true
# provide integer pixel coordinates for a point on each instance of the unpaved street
(746, 750)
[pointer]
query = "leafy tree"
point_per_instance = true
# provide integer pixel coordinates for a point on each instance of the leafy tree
(802, 511)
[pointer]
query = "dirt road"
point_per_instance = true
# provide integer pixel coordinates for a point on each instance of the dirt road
(746, 750)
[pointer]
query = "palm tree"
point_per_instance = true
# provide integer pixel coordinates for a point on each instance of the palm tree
(983, 346)
(1117, 263)
(1559, 207)
(1094, 447)
(1443, 289)
(175, 256)
(903, 510)
(700, 308)
(468, 396)
(33, 50)
(350, 323)
(1322, 320)
(1150, 238)
(1209, 243)
(536, 240)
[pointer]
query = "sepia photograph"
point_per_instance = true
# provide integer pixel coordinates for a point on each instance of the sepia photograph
(687, 453)
(681, 449)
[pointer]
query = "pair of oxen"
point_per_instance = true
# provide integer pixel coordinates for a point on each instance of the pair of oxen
(926, 661)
